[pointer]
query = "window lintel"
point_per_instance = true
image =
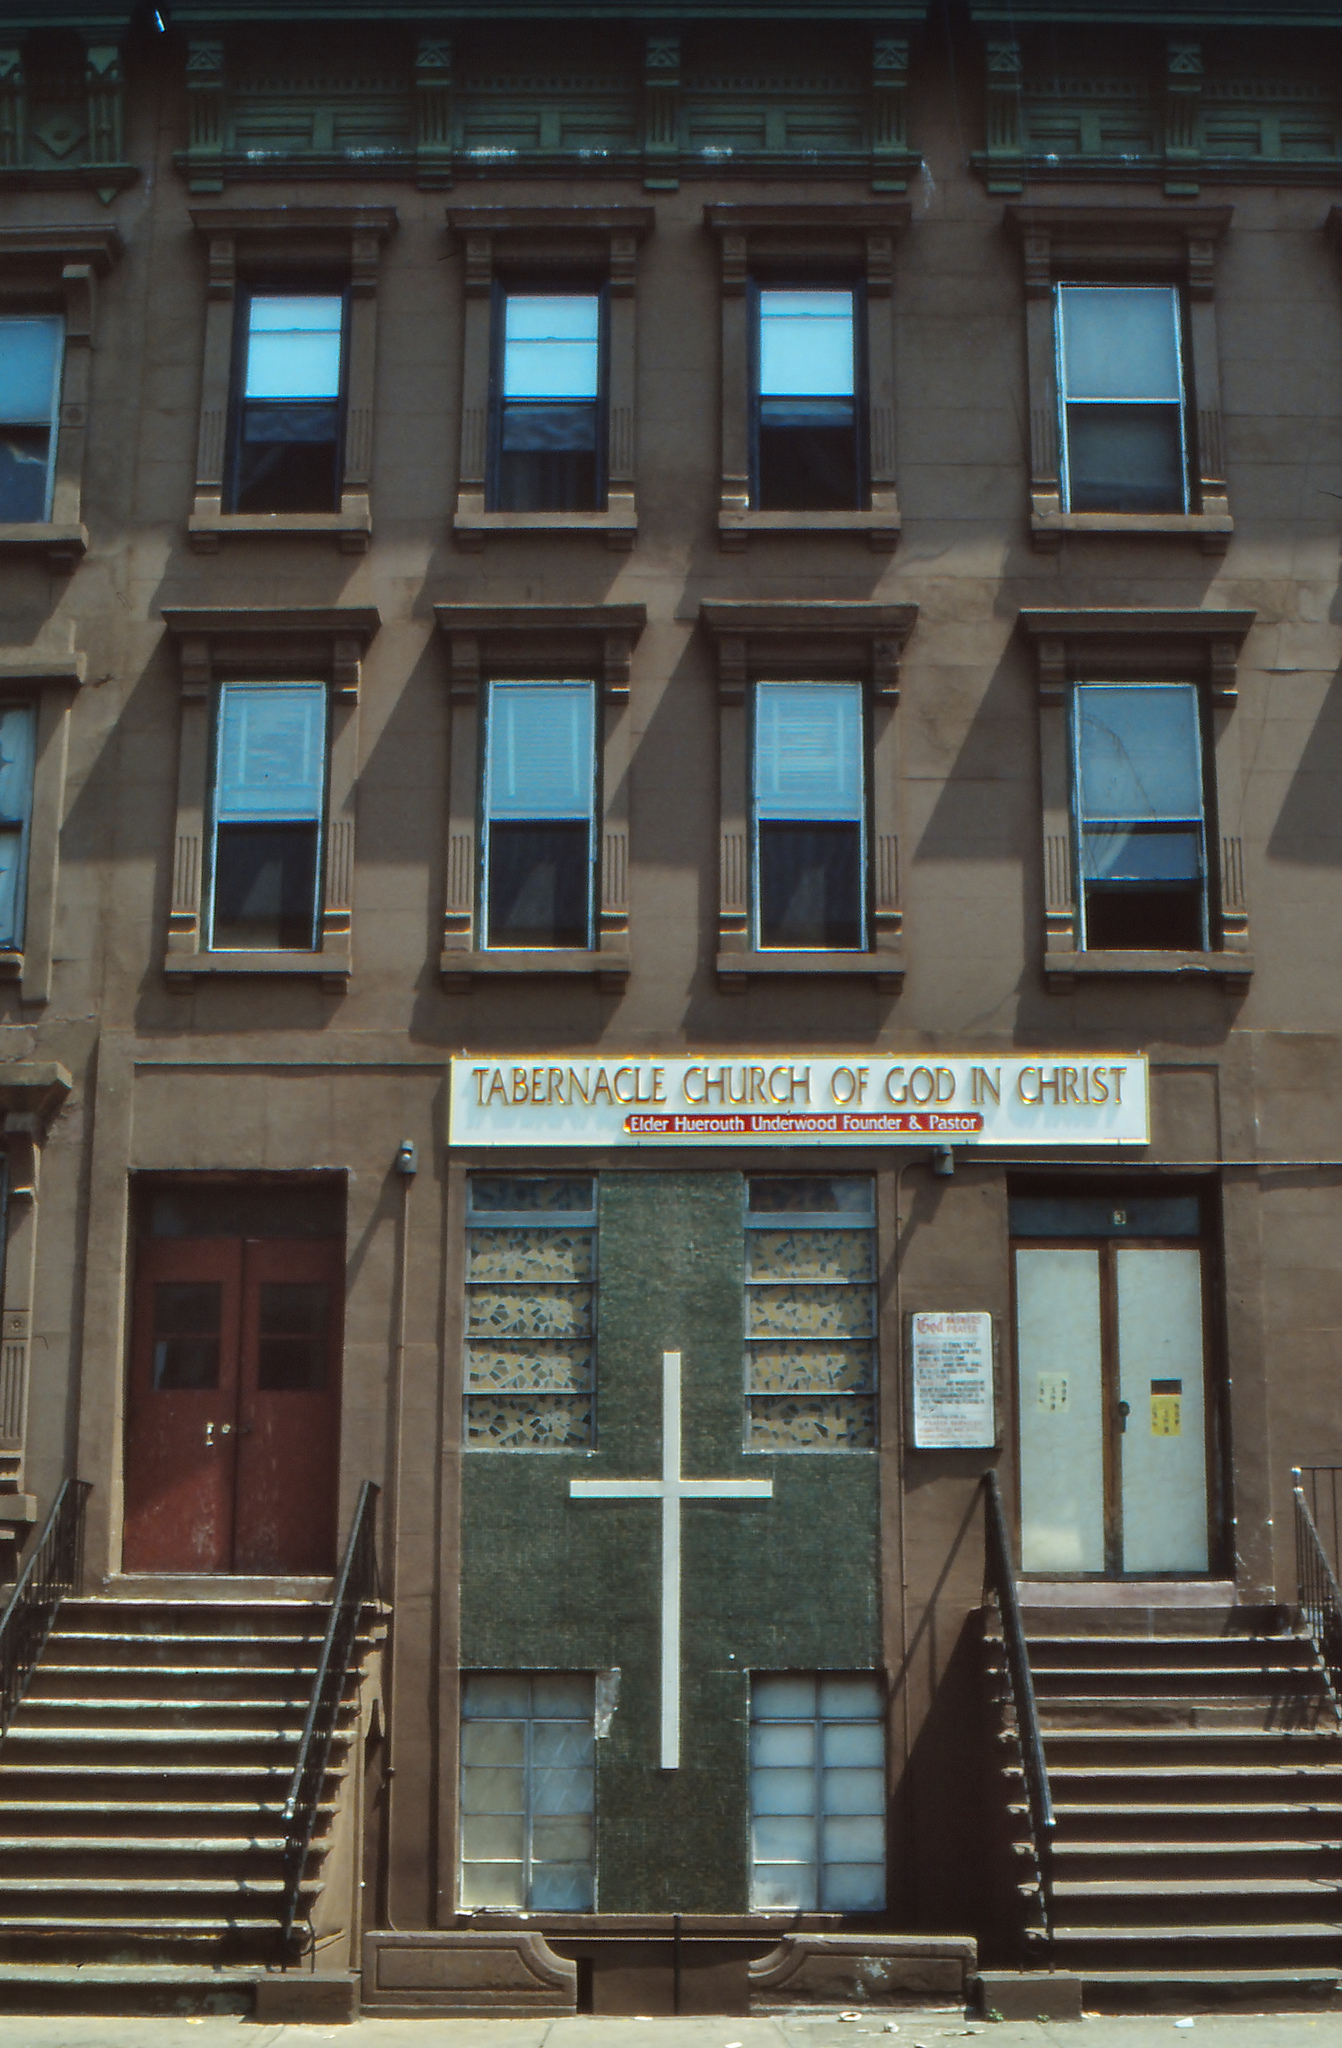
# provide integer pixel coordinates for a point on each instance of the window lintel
(1100, 645)
(823, 637)
(599, 638)
(1129, 238)
(861, 231)
(244, 641)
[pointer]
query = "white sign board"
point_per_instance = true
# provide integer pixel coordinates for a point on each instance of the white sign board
(952, 1367)
(780, 1098)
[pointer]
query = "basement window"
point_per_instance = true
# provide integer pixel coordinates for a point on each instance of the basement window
(817, 1793)
(528, 1791)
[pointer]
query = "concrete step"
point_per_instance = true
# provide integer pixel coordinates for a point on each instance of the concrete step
(55, 1682)
(1222, 1944)
(1120, 1620)
(1207, 1990)
(118, 1712)
(146, 1819)
(1275, 1714)
(1196, 1824)
(1108, 1904)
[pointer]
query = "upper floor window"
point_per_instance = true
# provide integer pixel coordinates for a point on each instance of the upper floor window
(806, 452)
(18, 725)
(539, 814)
(1140, 816)
(269, 795)
(808, 805)
(530, 1313)
(549, 415)
(288, 403)
(31, 353)
(810, 1314)
(1124, 440)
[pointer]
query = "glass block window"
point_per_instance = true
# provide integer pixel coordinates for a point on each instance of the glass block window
(528, 1791)
(530, 1314)
(817, 1794)
(810, 1315)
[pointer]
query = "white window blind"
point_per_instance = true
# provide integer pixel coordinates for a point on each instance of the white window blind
(551, 345)
(18, 724)
(817, 1793)
(1120, 343)
(293, 346)
(271, 752)
(806, 344)
(1139, 752)
(541, 755)
(30, 364)
(808, 750)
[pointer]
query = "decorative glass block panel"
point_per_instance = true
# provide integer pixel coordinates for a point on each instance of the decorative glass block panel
(528, 1791)
(810, 1314)
(817, 1793)
(530, 1314)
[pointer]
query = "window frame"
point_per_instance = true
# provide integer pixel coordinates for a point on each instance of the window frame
(865, 890)
(1174, 245)
(826, 640)
(1065, 399)
(277, 246)
(515, 1219)
(855, 284)
(56, 270)
(808, 243)
(488, 820)
(242, 644)
(511, 285)
(31, 1095)
(248, 289)
(209, 910)
(1197, 647)
(1202, 822)
(540, 643)
(50, 684)
(536, 243)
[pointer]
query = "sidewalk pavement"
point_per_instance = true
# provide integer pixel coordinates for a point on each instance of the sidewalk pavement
(944, 2028)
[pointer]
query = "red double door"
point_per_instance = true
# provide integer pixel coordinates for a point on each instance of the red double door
(234, 1405)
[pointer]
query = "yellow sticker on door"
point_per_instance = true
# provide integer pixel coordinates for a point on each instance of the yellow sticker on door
(1166, 1397)
(1053, 1392)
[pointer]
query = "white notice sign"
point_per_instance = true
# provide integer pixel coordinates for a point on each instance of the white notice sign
(953, 1382)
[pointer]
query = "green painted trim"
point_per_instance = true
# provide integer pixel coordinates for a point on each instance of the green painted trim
(294, 13)
(1273, 14)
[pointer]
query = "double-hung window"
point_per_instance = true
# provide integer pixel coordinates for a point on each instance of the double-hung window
(1121, 389)
(539, 814)
(530, 1313)
(817, 1793)
(269, 793)
(809, 816)
(528, 1791)
(549, 411)
(806, 452)
(1140, 816)
(18, 723)
(810, 1314)
(32, 349)
(288, 405)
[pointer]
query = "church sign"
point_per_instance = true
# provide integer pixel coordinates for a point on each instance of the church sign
(777, 1098)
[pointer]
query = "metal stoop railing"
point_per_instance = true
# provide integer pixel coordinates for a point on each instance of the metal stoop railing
(1316, 1489)
(1000, 1583)
(355, 1588)
(54, 1569)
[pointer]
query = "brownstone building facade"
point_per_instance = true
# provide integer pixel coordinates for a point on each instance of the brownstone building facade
(668, 772)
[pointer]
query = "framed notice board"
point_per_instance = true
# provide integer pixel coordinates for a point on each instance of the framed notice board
(953, 1380)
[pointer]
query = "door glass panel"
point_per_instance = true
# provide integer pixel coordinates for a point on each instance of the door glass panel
(186, 1335)
(1160, 1367)
(291, 1347)
(1061, 1410)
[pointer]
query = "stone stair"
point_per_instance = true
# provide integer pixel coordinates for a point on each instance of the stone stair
(142, 1784)
(1194, 1758)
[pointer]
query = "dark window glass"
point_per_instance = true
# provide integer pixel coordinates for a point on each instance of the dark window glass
(548, 430)
(1121, 379)
(1140, 816)
(31, 351)
(275, 1208)
(806, 440)
(291, 1339)
(1115, 1214)
(288, 414)
(186, 1335)
(539, 884)
(265, 885)
(810, 881)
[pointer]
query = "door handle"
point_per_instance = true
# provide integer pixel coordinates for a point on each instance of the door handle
(1123, 1413)
(209, 1436)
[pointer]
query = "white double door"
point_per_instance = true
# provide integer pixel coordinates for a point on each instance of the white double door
(1110, 1350)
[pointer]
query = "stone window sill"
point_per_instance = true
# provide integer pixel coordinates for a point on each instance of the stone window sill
(459, 970)
(883, 970)
(880, 527)
(1063, 970)
(16, 1508)
(1212, 529)
(352, 528)
(471, 524)
(64, 546)
(11, 966)
(332, 967)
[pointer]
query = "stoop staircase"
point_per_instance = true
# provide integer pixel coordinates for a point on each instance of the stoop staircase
(1194, 1759)
(142, 1785)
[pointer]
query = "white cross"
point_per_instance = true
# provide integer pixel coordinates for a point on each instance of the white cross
(671, 1490)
